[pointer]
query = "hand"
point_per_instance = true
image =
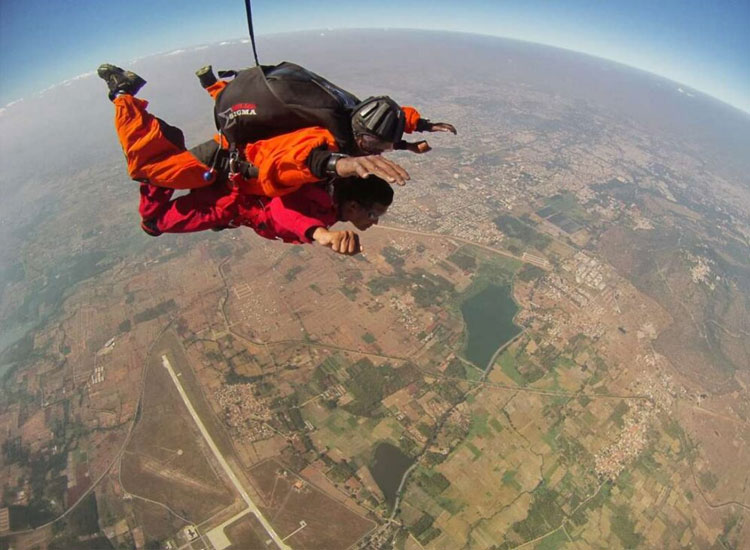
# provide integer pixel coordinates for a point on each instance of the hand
(443, 127)
(418, 147)
(342, 242)
(372, 165)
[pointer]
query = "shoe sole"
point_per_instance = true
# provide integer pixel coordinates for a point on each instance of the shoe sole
(127, 79)
(106, 70)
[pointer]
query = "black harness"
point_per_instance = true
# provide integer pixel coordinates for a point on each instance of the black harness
(270, 100)
(223, 162)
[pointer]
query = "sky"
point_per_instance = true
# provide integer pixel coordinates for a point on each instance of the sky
(703, 44)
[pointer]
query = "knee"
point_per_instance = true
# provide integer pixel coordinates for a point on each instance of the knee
(173, 134)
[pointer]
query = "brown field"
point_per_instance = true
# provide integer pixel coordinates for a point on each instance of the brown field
(329, 524)
(166, 460)
(246, 534)
(38, 538)
(157, 522)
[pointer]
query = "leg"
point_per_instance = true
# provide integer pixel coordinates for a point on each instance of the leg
(205, 208)
(155, 151)
(209, 82)
(216, 88)
(154, 202)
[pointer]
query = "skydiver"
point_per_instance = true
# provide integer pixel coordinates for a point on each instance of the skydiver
(303, 216)
(269, 100)
(156, 153)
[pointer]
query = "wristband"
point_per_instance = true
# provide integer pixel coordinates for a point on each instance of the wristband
(331, 164)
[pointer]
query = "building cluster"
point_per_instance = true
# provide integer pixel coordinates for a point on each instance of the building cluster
(587, 270)
(380, 539)
(406, 313)
(700, 272)
(660, 392)
(469, 208)
(96, 377)
(334, 392)
(630, 442)
(557, 288)
(244, 413)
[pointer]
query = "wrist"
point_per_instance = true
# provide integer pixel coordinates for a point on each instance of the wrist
(332, 162)
(424, 125)
(318, 234)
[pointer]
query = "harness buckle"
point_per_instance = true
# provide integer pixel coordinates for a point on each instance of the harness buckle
(234, 162)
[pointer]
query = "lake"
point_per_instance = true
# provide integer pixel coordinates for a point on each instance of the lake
(489, 321)
(388, 468)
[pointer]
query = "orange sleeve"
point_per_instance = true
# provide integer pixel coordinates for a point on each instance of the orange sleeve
(412, 117)
(282, 161)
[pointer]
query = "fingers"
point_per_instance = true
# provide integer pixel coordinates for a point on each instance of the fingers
(362, 170)
(354, 247)
(444, 127)
(346, 242)
(372, 165)
(383, 168)
(423, 147)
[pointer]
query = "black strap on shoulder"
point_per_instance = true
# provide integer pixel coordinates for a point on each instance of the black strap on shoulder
(249, 12)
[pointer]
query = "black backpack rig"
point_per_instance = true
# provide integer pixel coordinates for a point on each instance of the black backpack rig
(270, 100)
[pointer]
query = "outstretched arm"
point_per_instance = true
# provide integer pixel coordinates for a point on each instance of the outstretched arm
(415, 123)
(371, 165)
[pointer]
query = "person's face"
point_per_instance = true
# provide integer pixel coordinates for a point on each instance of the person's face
(360, 217)
(372, 145)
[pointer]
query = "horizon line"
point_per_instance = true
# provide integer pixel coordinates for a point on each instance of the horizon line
(744, 110)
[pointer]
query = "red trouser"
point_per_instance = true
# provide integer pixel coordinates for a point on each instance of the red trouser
(154, 150)
(201, 209)
(156, 156)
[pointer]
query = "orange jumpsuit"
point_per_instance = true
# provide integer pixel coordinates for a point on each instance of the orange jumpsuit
(155, 156)
(156, 152)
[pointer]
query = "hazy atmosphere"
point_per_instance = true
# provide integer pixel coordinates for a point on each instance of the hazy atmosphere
(544, 343)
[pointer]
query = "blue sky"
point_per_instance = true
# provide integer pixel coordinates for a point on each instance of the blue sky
(703, 44)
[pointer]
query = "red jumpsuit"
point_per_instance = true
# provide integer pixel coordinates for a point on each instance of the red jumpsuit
(288, 218)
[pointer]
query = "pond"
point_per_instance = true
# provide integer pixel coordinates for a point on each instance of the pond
(388, 468)
(489, 320)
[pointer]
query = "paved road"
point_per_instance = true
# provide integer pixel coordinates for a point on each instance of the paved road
(220, 458)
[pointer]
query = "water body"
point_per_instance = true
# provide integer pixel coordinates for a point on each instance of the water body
(489, 321)
(10, 336)
(388, 468)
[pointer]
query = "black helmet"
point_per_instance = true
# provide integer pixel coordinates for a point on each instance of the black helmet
(380, 117)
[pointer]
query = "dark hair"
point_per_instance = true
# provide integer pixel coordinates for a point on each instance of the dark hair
(364, 191)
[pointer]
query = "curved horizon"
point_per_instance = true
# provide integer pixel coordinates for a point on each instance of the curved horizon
(700, 45)
(680, 84)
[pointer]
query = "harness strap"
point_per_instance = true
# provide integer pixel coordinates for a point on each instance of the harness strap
(227, 74)
(250, 28)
